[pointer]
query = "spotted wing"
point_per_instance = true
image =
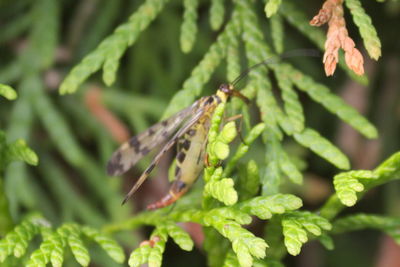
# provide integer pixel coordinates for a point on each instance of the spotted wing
(171, 142)
(138, 146)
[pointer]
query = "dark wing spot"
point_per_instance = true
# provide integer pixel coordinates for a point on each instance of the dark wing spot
(165, 134)
(180, 157)
(164, 123)
(151, 131)
(144, 151)
(191, 132)
(186, 144)
(114, 167)
(134, 142)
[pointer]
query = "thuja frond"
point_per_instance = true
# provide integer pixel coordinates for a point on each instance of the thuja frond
(277, 33)
(350, 186)
(321, 146)
(217, 12)
(15, 151)
(389, 225)
(297, 224)
(150, 251)
(272, 7)
(367, 30)
(111, 49)
(347, 184)
(8, 92)
(55, 242)
(189, 25)
(227, 221)
(193, 85)
(331, 102)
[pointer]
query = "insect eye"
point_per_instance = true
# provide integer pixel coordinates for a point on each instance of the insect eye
(224, 88)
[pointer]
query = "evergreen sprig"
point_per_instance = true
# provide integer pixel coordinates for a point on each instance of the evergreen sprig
(389, 225)
(189, 25)
(8, 92)
(15, 151)
(350, 186)
(297, 224)
(111, 49)
(367, 30)
(55, 242)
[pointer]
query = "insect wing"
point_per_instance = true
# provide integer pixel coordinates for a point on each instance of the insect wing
(157, 158)
(140, 145)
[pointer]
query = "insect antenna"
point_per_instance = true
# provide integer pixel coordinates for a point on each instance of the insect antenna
(276, 59)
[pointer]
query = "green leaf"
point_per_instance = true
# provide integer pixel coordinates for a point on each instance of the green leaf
(139, 256)
(222, 190)
(244, 147)
(20, 151)
(57, 127)
(272, 7)
(295, 226)
(232, 52)
(79, 250)
(277, 33)
(321, 94)
(155, 256)
(289, 168)
(114, 250)
(217, 12)
(41, 256)
(249, 181)
(321, 146)
(265, 206)
(8, 92)
(326, 241)
(244, 243)
(16, 241)
(361, 221)
(192, 87)
(189, 25)
(367, 30)
(292, 105)
(347, 184)
(110, 50)
(180, 237)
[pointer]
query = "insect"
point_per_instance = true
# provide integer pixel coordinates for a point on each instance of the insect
(191, 141)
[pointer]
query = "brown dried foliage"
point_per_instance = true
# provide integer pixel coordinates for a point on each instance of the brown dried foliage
(337, 37)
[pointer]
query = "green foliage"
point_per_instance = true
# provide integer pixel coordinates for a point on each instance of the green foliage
(350, 186)
(347, 184)
(324, 148)
(389, 225)
(297, 224)
(69, 136)
(217, 11)
(367, 30)
(272, 7)
(111, 49)
(54, 242)
(8, 92)
(189, 25)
